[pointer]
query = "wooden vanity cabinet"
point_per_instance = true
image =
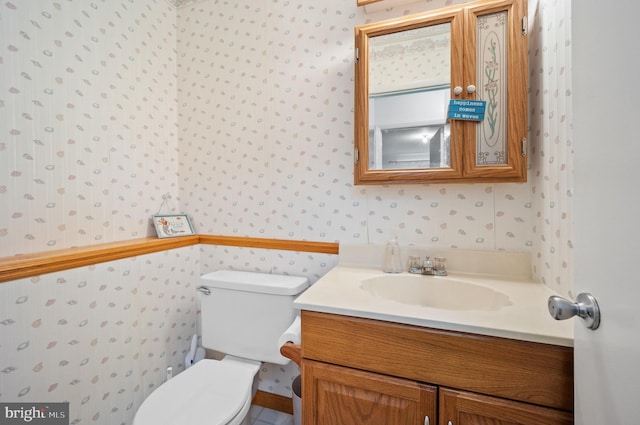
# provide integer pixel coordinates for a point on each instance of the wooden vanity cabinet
(369, 372)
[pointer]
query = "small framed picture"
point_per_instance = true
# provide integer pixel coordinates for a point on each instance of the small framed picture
(172, 225)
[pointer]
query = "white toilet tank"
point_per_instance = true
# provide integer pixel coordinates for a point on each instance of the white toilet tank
(245, 313)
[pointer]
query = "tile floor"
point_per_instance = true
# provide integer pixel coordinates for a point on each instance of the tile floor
(262, 416)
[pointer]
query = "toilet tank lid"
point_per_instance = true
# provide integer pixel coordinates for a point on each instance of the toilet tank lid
(255, 282)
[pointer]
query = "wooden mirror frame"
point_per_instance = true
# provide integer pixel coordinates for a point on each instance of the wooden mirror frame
(362, 174)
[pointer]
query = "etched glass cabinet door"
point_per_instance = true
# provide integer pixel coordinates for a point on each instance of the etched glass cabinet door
(408, 69)
(496, 65)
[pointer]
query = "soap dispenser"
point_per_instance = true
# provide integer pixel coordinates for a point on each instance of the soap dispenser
(392, 260)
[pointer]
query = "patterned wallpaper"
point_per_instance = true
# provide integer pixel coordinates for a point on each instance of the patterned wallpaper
(259, 143)
(99, 337)
(243, 112)
(88, 121)
(411, 59)
(551, 136)
(265, 114)
(265, 95)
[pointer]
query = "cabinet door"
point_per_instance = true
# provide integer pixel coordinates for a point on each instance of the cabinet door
(402, 88)
(464, 408)
(495, 54)
(334, 395)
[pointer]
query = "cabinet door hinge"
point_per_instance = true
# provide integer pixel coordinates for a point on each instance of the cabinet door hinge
(525, 26)
(356, 55)
(524, 147)
(356, 155)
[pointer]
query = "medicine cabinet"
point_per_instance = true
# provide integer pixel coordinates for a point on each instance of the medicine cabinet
(409, 69)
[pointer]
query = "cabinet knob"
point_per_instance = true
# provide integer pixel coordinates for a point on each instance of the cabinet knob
(471, 89)
(426, 420)
(457, 90)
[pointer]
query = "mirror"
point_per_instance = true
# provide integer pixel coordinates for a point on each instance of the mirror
(409, 80)
(442, 96)
(403, 88)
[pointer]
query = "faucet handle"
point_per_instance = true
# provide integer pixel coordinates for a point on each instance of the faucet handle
(415, 265)
(440, 266)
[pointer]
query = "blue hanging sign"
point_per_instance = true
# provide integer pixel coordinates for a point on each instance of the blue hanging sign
(470, 110)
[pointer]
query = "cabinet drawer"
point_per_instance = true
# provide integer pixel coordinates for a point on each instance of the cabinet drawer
(534, 373)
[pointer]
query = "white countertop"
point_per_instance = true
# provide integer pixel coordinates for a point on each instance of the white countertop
(526, 318)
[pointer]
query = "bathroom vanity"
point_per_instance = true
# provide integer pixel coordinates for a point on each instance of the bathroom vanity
(363, 371)
(377, 358)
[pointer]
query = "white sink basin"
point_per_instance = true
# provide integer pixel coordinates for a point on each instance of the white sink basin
(435, 292)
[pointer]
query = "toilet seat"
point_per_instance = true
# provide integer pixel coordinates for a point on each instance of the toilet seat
(210, 392)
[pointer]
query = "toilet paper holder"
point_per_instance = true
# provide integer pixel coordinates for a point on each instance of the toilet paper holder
(290, 340)
(293, 352)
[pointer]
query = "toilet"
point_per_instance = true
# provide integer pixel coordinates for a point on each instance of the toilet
(243, 315)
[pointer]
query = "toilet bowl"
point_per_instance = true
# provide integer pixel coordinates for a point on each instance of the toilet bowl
(243, 316)
(211, 392)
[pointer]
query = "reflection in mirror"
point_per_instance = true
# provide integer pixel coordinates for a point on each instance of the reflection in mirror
(409, 147)
(409, 130)
(409, 80)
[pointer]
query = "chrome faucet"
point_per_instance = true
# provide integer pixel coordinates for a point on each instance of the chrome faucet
(437, 267)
